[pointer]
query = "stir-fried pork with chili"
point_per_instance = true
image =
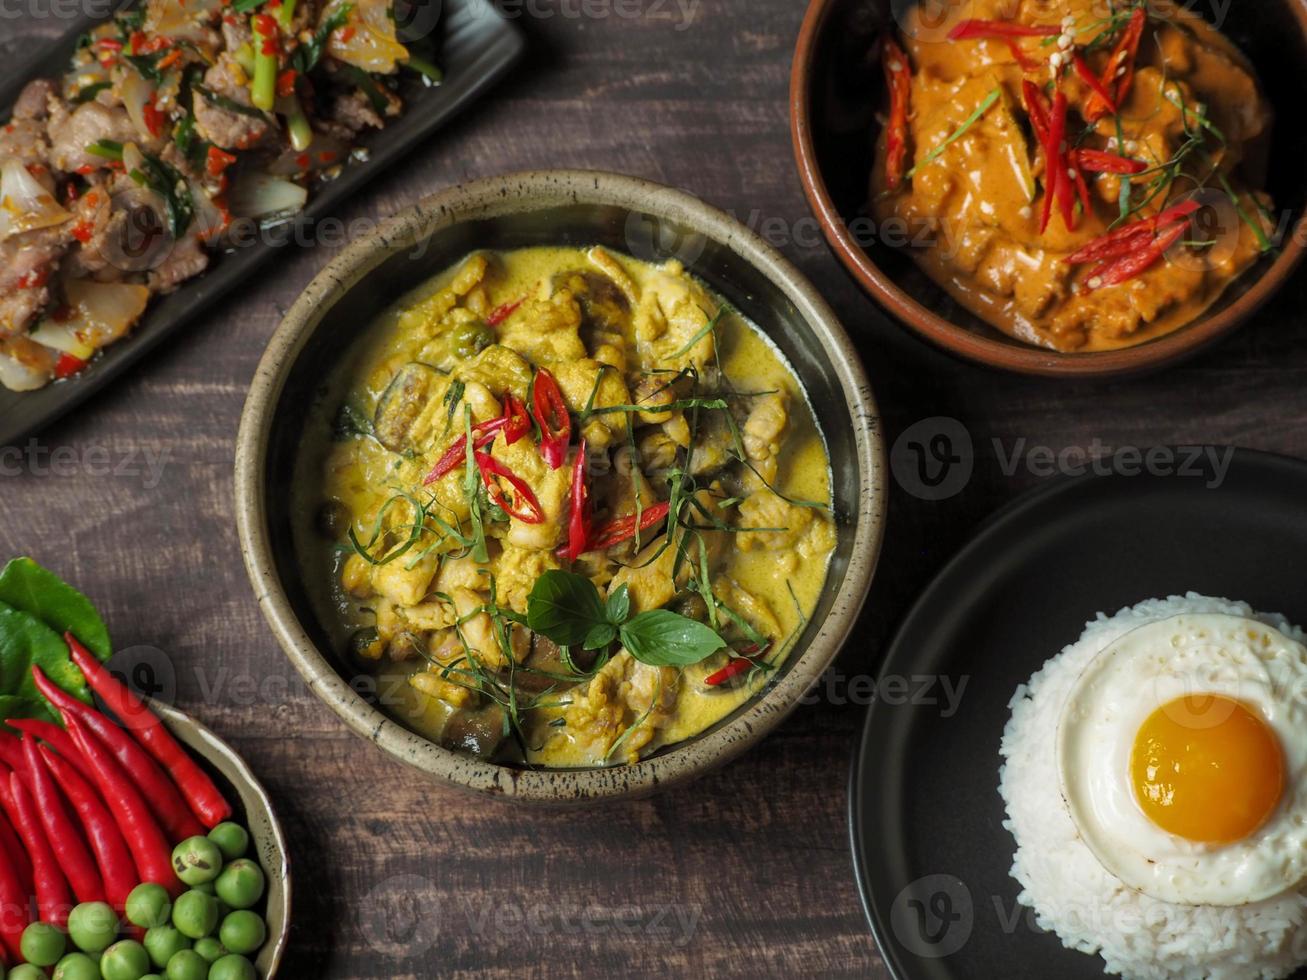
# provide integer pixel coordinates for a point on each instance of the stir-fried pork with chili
(174, 119)
(1083, 177)
(575, 508)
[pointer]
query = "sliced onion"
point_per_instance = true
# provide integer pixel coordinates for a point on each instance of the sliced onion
(17, 376)
(373, 45)
(101, 312)
(61, 336)
(182, 19)
(209, 221)
(136, 92)
(24, 204)
(257, 195)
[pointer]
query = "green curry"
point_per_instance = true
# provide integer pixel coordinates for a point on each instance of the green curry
(565, 506)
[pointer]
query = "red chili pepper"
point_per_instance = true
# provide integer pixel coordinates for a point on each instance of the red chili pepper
(1127, 267)
(347, 35)
(83, 231)
(578, 521)
(154, 119)
(65, 840)
(264, 25)
(1102, 162)
(170, 59)
(898, 79)
(217, 160)
(623, 529)
(1055, 176)
(732, 669)
(109, 44)
(53, 900)
(517, 422)
(149, 848)
(1124, 240)
(173, 813)
(1082, 189)
(502, 312)
(102, 833)
(1036, 109)
(965, 30)
(11, 752)
(551, 414)
(1065, 179)
(526, 507)
(1089, 78)
(55, 737)
(483, 434)
(1120, 71)
(1026, 62)
(201, 793)
(12, 848)
(14, 895)
(68, 365)
(286, 82)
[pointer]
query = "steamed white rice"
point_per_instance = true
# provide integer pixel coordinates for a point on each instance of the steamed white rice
(1073, 895)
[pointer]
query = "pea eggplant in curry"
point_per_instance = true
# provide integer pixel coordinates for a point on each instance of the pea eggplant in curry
(572, 507)
(1082, 175)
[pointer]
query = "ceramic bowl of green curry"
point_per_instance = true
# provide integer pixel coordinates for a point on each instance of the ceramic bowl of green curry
(561, 486)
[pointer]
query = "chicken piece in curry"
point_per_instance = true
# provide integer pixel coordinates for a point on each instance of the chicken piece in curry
(568, 507)
(1081, 177)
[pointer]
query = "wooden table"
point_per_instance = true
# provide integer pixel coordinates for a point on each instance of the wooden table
(746, 872)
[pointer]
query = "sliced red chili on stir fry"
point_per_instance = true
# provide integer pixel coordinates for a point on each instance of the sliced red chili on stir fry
(965, 30)
(524, 506)
(623, 529)
(578, 521)
(551, 414)
(68, 365)
(898, 79)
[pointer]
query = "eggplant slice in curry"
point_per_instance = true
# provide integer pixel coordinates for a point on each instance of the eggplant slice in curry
(568, 507)
(1080, 176)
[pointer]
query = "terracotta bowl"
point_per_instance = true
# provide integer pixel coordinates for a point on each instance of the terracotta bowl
(254, 811)
(836, 90)
(556, 208)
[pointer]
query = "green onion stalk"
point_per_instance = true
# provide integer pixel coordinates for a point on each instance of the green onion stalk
(297, 123)
(263, 90)
(424, 67)
(286, 13)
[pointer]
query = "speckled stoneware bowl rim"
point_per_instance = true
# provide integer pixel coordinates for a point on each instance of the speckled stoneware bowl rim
(522, 193)
(991, 349)
(267, 838)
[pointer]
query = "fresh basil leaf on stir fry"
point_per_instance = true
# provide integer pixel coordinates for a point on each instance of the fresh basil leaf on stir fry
(174, 120)
(567, 507)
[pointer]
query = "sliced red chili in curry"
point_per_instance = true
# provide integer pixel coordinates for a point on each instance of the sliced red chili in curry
(578, 519)
(524, 505)
(898, 79)
(502, 312)
(966, 30)
(1123, 240)
(623, 529)
(1103, 162)
(1119, 74)
(551, 414)
(1128, 266)
(483, 434)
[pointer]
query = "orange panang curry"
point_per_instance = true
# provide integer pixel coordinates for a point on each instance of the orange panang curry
(1080, 175)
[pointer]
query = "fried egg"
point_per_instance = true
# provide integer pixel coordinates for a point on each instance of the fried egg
(1182, 753)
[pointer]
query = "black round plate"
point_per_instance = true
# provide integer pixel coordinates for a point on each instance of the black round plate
(929, 849)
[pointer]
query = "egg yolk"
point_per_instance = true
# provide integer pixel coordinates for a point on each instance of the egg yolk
(1206, 768)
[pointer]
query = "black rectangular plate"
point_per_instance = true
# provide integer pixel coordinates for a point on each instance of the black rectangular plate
(477, 47)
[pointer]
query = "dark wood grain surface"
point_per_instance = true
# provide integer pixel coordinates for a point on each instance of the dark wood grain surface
(744, 873)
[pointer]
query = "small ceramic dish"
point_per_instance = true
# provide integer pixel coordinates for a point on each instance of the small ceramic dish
(576, 208)
(254, 811)
(835, 92)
